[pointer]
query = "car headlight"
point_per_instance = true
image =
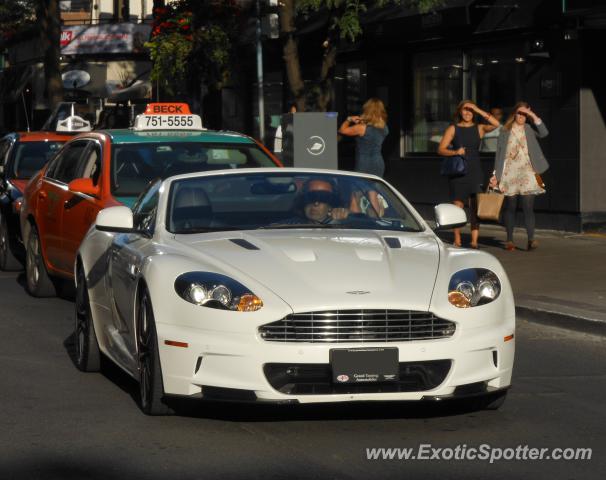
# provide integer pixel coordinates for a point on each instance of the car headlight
(214, 290)
(473, 287)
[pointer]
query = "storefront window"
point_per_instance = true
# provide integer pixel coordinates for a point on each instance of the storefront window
(350, 88)
(438, 81)
(75, 5)
(496, 74)
(493, 78)
(75, 12)
(355, 77)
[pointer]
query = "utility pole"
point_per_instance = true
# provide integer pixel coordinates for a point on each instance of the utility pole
(260, 74)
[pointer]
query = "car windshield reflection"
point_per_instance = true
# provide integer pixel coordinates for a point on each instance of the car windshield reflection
(285, 201)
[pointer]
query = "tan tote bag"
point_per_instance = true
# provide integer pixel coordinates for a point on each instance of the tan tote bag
(489, 205)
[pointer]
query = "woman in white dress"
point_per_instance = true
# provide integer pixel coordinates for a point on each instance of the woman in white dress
(518, 160)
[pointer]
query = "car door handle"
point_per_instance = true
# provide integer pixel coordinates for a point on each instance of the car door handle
(42, 195)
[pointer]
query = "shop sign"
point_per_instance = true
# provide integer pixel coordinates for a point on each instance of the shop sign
(110, 38)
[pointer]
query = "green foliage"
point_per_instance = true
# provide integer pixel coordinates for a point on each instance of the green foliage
(192, 42)
(170, 47)
(218, 25)
(213, 49)
(345, 14)
(170, 56)
(15, 16)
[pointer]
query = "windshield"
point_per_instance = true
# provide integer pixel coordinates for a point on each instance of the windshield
(134, 165)
(285, 201)
(29, 157)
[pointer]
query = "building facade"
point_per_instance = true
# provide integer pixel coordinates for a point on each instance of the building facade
(496, 53)
(102, 62)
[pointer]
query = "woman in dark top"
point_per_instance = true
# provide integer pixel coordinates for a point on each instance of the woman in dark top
(370, 130)
(465, 136)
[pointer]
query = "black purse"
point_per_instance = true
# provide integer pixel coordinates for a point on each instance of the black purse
(454, 166)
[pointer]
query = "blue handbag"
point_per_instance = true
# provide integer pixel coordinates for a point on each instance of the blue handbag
(454, 166)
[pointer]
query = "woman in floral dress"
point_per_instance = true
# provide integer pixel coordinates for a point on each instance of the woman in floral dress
(517, 161)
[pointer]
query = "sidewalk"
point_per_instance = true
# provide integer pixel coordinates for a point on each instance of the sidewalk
(563, 282)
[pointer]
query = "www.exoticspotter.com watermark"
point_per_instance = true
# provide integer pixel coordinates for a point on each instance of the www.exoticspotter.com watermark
(484, 453)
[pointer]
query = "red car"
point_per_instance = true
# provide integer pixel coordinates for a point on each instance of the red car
(22, 155)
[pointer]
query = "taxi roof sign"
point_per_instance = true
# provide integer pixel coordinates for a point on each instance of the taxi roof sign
(167, 116)
(167, 109)
(73, 123)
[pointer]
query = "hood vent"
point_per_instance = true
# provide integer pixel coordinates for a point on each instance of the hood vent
(392, 242)
(244, 243)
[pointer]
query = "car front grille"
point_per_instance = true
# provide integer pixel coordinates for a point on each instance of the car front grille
(345, 326)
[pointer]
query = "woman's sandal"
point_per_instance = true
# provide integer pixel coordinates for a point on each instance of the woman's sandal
(509, 246)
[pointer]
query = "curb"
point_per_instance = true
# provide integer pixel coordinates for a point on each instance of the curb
(562, 320)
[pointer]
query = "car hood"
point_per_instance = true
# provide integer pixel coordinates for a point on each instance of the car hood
(317, 270)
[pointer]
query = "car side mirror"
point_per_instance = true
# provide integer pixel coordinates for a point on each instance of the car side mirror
(85, 186)
(115, 219)
(449, 216)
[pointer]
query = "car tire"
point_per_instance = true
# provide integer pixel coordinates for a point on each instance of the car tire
(37, 279)
(88, 357)
(151, 387)
(8, 261)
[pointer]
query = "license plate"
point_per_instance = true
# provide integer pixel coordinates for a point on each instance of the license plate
(364, 365)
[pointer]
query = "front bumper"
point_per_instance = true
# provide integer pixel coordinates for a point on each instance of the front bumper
(234, 366)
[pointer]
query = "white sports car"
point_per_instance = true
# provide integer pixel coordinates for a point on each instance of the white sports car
(291, 285)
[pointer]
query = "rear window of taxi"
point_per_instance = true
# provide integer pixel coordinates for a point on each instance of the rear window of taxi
(134, 165)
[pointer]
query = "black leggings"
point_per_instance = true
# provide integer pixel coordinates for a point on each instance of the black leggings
(511, 206)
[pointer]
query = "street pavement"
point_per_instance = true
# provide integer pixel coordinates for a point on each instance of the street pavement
(59, 423)
(563, 282)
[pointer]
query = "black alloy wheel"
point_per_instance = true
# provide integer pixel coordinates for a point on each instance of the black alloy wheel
(151, 387)
(38, 281)
(88, 357)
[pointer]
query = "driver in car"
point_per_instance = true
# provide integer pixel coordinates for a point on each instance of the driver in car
(319, 200)
(318, 204)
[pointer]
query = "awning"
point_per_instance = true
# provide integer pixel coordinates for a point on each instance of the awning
(493, 16)
(396, 24)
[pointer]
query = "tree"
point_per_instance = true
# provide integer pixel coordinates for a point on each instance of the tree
(19, 18)
(48, 18)
(343, 24)
(15, 16)
(192, 44)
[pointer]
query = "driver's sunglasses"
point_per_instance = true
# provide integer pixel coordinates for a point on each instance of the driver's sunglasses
(319, 196)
